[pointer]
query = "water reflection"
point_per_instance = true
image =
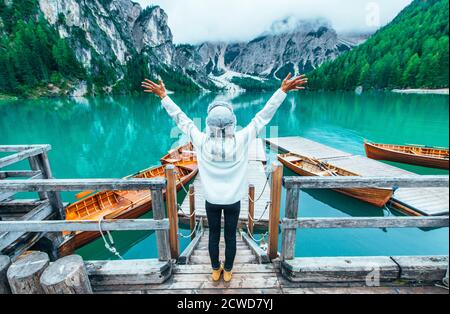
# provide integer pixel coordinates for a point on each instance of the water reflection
(116, 136)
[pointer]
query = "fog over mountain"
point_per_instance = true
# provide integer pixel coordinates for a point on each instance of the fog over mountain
(196, 21)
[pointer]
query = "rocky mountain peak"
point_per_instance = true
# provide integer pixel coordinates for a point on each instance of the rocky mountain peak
(112, 29)
(126, 11)
(152, 29)
(113, 32)
(289, 45)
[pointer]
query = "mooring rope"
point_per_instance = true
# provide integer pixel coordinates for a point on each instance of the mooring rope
(387, 210)
(441, 286)
(260, 218)
(445, 281)
(257, 240)
(263, 190)
(182, 185)
(197, 224)
(110, 247)
(182, 211)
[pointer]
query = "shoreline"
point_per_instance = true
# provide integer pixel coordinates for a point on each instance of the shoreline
(418, 91)
(423, 91)
(8, 97)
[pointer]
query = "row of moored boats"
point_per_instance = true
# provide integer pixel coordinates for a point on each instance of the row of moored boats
(125, 204)
(132, 204)
(410, 154)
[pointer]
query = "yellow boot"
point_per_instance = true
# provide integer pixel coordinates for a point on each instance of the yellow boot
(227, 275)
(217, 273)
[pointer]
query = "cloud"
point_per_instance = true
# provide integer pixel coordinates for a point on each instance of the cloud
(194, 21)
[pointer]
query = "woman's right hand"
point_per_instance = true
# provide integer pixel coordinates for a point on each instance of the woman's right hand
(153, 88)
(297, 83)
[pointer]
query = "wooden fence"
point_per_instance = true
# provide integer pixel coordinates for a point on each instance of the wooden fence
(48, 205)
(79, 276)
(37, 157)
(166, 228)
(293, 185)
(159, 223)
(291, 222)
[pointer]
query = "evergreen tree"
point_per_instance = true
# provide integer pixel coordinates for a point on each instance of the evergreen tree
(412, 51)
(411, 71)
(31, 52)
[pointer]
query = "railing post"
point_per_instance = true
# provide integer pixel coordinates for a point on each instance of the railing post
(162, 236)
(289, 235)
(24, 274)
(172, 212)
(251, 208)
(445, 280)
(5, 263)
(67, 275)
(192, 218)
(41, 163)
(34, 165)
(275, 199)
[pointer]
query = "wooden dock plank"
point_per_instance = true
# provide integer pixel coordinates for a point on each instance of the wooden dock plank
(129, 272)
(286, 290)
(238, 269)
(424, 201)
(305, 147)
(41, 212)
(434, 201)
(339, 269)
(367, 290)
(256, 176)
(368, 167)
(248, 275)
(257, 151)
(304, 275)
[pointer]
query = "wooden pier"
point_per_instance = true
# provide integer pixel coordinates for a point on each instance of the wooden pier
(414, 201)
(47, 206)
(257, 271)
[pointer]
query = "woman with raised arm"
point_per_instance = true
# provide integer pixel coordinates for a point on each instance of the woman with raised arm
(222, 155)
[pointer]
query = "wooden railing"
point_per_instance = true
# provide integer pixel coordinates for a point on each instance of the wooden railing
(159, 223)
(291, 222)
(37, 156)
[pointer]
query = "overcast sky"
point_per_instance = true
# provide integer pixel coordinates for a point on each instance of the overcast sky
(194, 21)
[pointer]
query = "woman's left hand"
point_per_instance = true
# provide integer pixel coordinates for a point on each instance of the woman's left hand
(296, 83)
(157, 89)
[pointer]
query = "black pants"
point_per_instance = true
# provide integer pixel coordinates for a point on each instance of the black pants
(231, 214)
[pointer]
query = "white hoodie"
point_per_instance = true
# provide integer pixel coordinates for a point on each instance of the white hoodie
(224, 181)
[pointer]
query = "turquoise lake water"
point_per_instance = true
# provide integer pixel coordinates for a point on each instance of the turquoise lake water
(116, 136)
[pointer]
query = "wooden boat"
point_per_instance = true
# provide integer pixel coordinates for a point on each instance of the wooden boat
(184, 155)
(306, 166)
(118, 204)
(433, 157)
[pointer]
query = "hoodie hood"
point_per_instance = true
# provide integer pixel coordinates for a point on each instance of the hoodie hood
(220, 129)
(221, 120)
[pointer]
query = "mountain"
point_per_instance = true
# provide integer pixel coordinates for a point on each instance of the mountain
(79, 47)
(113, 44)
(290, 45)
(410, 52)
(287, 47)
(123, 36)
(31, 52)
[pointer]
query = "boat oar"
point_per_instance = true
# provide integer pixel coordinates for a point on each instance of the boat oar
(83, 194)
(322, 166)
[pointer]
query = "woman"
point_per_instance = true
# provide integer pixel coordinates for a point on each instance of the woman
(222, 155)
